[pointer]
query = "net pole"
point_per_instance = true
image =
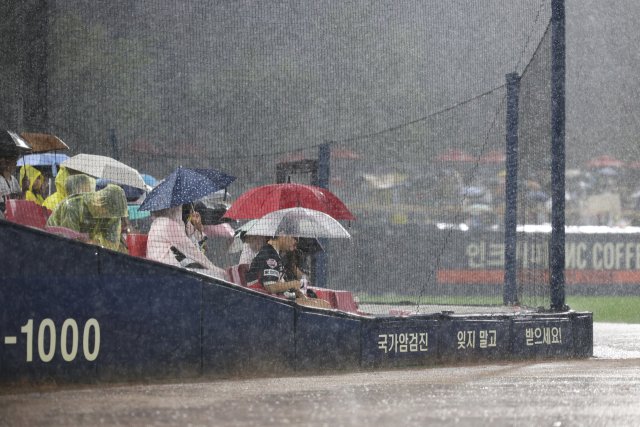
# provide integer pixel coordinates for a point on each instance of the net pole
(114, 144)
(557, 254)
(510, 296)
(324, 172)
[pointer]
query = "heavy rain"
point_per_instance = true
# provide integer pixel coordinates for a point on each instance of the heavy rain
(319, 213)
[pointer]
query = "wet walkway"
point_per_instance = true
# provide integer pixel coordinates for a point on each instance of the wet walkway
(604, 390)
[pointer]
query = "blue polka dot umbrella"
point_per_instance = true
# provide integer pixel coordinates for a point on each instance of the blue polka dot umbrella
(185, 185)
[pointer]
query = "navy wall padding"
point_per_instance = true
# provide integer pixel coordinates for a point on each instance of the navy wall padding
(326, 342)
(524, 346)
(246, 333)
(119, 264)
(149, 327)
(583, 334)
(474, 339)
(24, 250)
(159, 321)
(391, 334)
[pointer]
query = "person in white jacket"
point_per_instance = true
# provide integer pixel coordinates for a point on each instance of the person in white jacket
(167, 237)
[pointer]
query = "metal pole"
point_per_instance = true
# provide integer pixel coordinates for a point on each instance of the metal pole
(33, 52)
(557, 254)
(114, 144)
(510, 292)
(322, 258)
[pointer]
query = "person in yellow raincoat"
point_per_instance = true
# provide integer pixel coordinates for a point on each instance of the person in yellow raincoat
(81, 183)
(60, 194)
(98, 213)
(32, 185)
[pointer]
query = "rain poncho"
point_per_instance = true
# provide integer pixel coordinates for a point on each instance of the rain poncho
(33, 174)
(168, 230)
(61, 193)
(81, 183)
(98, 214)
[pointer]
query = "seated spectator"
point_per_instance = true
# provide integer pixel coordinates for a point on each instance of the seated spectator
(31, 180)
(193, 225)
(168, 243)
(60, 194)
(99, 214)
(268, 270)
(9, 186)
(77, 184)
(250, 247)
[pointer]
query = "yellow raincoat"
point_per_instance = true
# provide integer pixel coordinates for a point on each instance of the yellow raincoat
(98, 214)
(33, 174)
(77, 184)
(61, 193)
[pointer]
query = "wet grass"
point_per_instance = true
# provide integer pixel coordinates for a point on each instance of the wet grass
(608, 309)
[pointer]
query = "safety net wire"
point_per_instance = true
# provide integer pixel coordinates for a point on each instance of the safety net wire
(185, 112)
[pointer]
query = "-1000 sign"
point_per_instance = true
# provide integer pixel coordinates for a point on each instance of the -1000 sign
(67, 354)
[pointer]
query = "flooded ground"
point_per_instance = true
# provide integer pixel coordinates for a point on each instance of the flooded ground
(601, 391)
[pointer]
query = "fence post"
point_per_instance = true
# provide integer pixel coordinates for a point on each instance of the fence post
(114, 144)
(510, 294)
(557, 254)
(324, 172)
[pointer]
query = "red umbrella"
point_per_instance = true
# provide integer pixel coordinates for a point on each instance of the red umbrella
(493, 157)
(260, 201)
(454, 156)
(188, 148)
(344, 153)
(606, 162)
(296, 156)
(144, 147)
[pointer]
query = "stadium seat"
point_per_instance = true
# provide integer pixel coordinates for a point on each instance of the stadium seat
(46, 212)
(137, 245)
(345, 301)
(328, 295)
(66, 232)
(25, 212)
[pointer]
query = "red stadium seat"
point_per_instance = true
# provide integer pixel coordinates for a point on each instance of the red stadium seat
(345, 301)
(46, 212)
(66, 232)
(25, 212)
(137, 245)
(328, 295)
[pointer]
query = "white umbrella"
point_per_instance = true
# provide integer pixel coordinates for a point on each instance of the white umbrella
(106, 168)
(298, 222)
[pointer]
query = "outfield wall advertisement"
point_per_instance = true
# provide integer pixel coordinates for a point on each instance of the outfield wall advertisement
(596, 263)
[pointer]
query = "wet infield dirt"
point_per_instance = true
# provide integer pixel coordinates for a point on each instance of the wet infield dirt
(600, 391)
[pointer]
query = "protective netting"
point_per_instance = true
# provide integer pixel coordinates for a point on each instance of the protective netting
(534, 178)
(397, 108)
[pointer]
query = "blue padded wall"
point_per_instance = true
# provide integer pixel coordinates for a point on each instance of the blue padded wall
(245, 333)
(326, 342)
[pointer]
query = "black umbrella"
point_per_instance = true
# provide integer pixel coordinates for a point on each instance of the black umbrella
(12, 144)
